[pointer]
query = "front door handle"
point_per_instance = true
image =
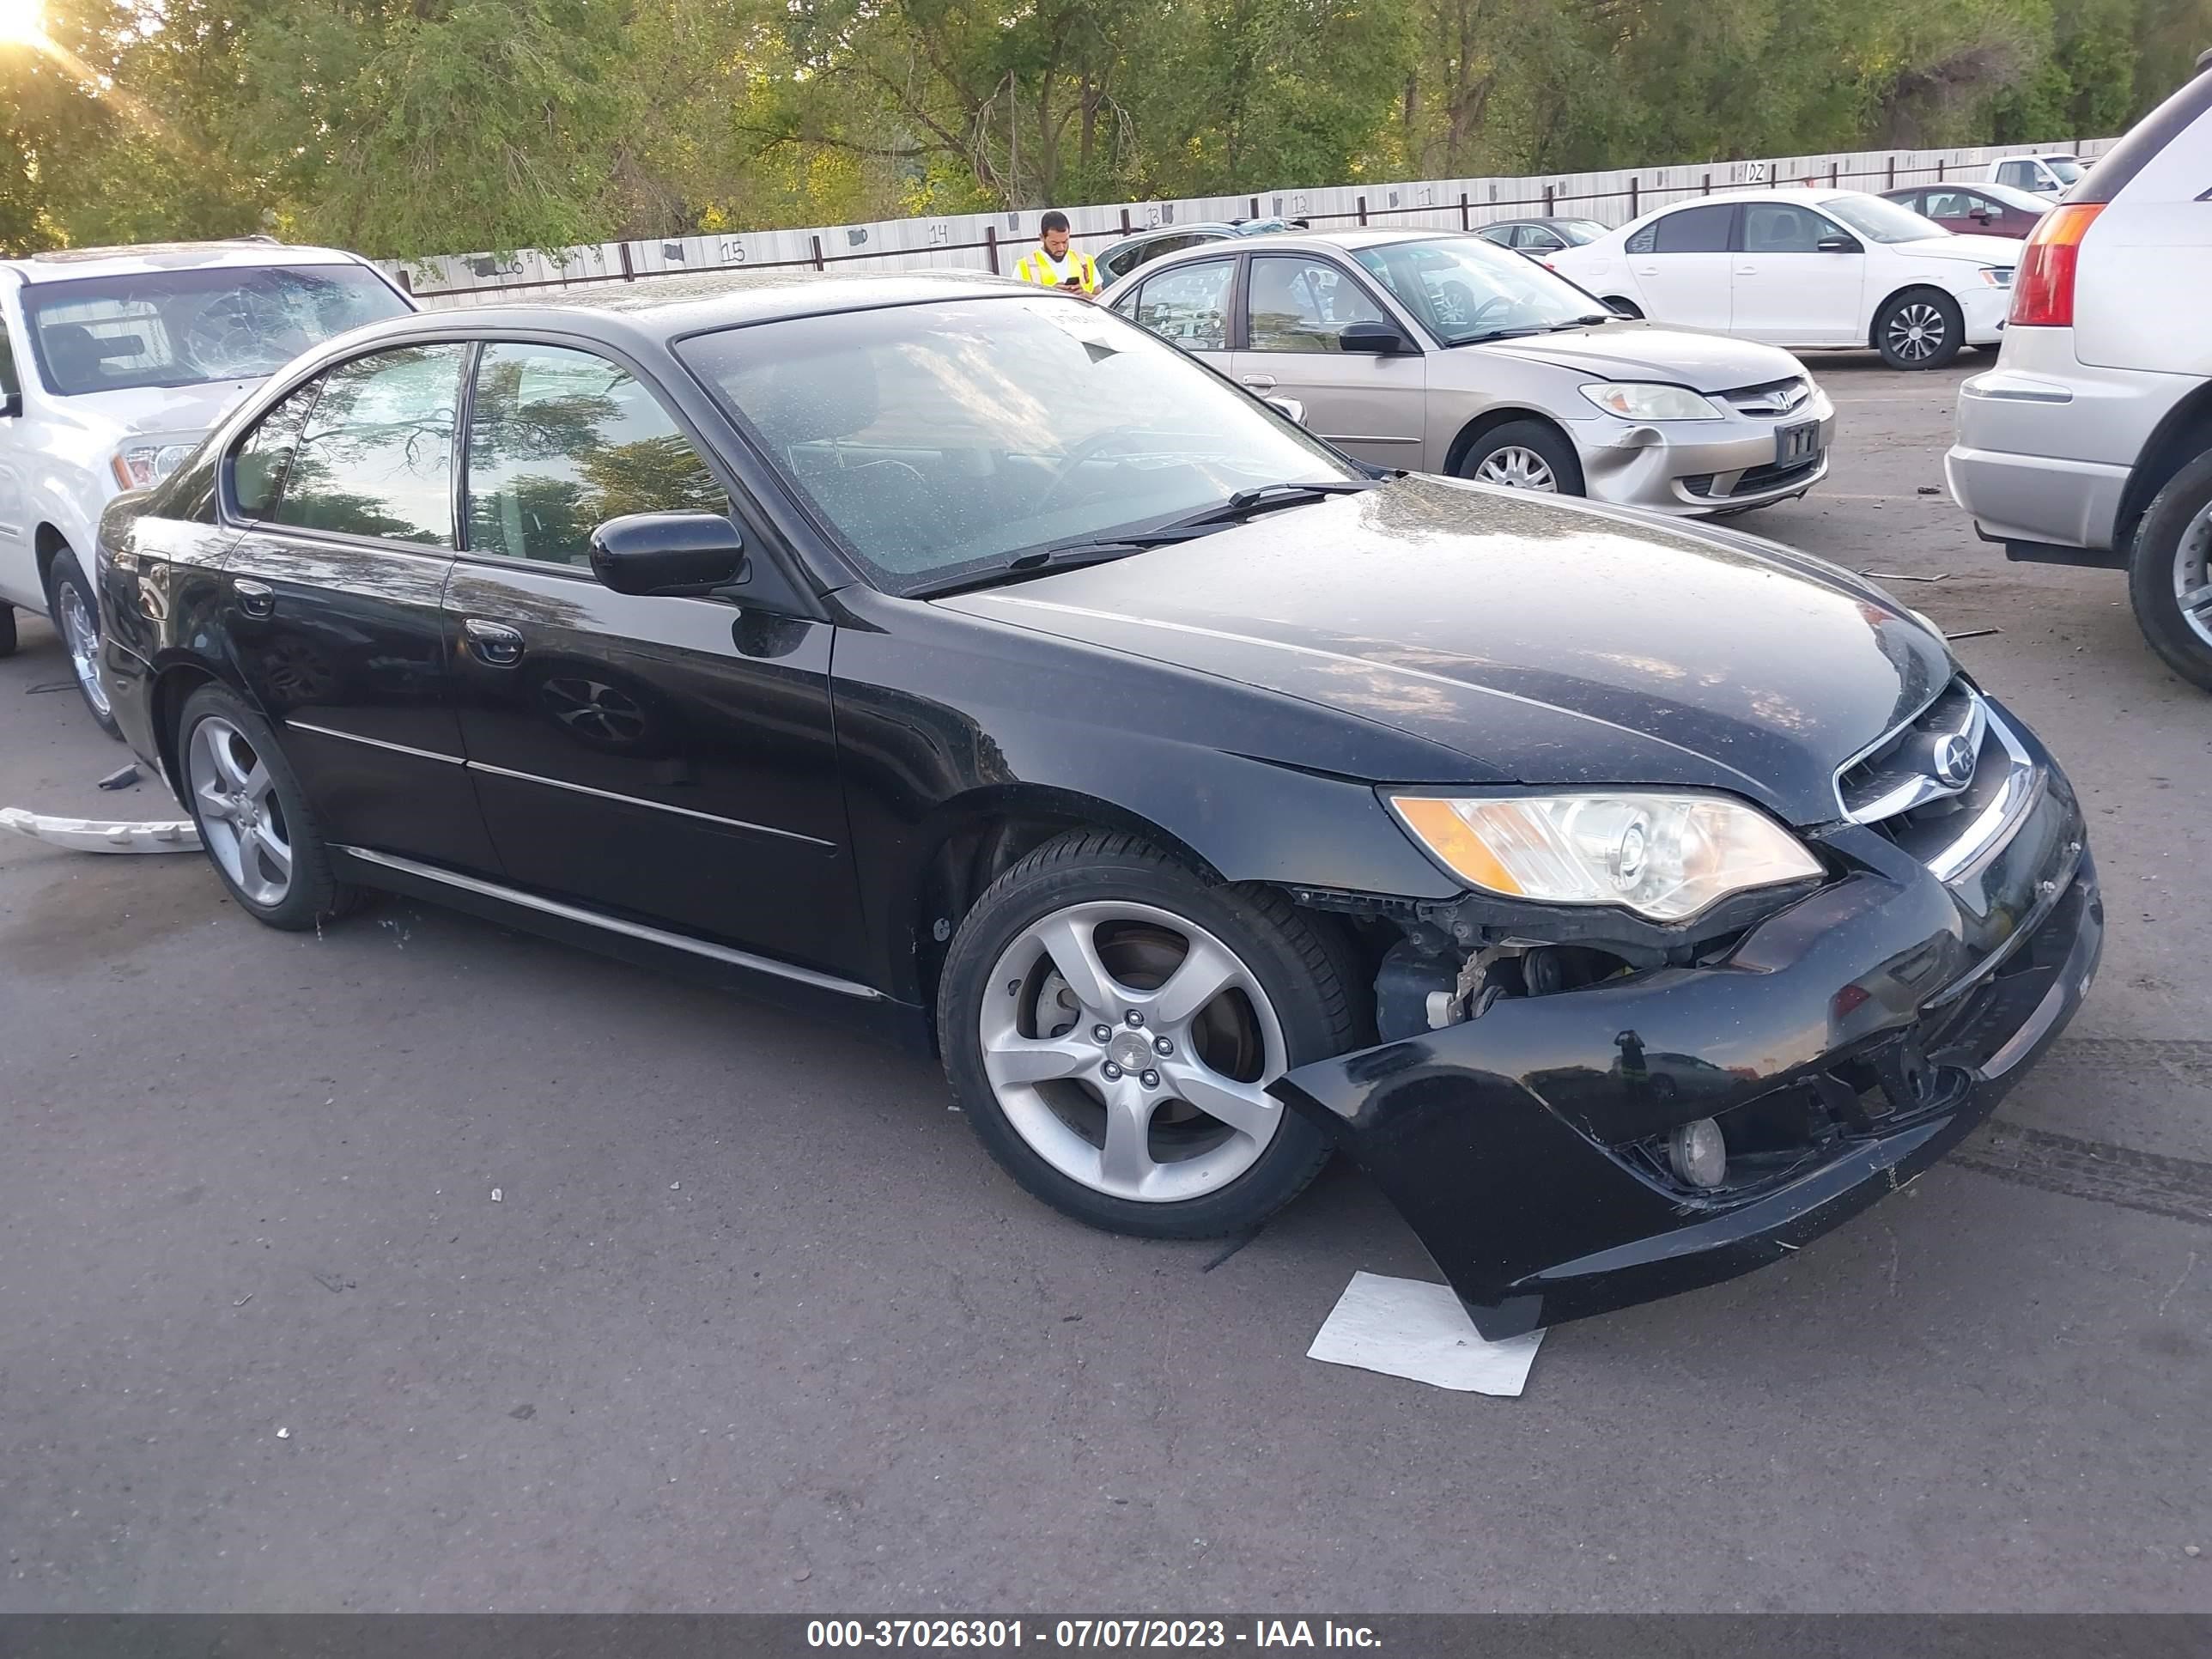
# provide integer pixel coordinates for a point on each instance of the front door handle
(1746, 270)
(495, 643)
(1259, 382)
(254, 599)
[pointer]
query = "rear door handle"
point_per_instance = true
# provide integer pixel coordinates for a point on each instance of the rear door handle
(495, 643)
(1259, 382)
(254, 599)
(1746, 270)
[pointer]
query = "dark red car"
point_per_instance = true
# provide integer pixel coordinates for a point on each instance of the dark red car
(1976, 210)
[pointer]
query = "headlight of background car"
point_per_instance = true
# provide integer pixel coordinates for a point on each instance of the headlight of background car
(1662, 856)
(1634, 400)
(1997, 276)
(143, 465)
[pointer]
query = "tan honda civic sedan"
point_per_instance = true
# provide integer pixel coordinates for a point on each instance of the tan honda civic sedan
(1440, 353)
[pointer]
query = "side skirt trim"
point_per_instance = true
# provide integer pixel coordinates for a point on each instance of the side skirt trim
(614, 924)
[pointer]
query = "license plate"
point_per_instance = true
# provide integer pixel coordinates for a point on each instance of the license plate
(1793, 444)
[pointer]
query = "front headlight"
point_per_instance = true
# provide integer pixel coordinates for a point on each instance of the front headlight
(143, 465)
(1997, 276)
(1662, 856)
(1636, 400)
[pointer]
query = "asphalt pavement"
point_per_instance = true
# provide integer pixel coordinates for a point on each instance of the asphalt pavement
(422, 1265)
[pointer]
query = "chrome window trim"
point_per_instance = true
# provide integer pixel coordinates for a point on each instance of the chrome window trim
(614, 925)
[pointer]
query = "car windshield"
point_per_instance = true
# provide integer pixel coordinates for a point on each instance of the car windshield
(1881, 221)
(1465, 290)
(2064, 168)
(169, 328)
(1578, 231)
(939, 442)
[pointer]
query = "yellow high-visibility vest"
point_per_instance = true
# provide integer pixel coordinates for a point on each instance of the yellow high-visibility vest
(1038, 266)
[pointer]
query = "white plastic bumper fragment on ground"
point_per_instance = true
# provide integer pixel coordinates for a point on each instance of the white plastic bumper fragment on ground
(104, 834)
(1403, 1327)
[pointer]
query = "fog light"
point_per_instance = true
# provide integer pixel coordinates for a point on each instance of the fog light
(1698, 1154)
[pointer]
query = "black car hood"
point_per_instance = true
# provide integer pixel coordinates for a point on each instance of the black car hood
(1549, 642)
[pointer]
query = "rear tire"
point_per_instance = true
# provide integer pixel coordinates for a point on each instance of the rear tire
(2172, 558)
(1524, 450)
(74, 609)
(253, 817)
(1627, 309)
(1163, 1128)
(1920, 328)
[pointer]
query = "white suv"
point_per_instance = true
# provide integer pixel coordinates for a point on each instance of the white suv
(2091, 441)
(115, 362)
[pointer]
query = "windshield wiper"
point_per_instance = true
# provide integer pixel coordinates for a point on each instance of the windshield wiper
(1259, 499)
(1099, 549)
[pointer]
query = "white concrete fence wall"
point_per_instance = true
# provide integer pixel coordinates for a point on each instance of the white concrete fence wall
(986, 241)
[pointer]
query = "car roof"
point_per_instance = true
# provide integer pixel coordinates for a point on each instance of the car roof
(667, 307)
(73, 263)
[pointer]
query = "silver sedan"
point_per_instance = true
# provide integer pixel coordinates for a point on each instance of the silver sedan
(1441, 353)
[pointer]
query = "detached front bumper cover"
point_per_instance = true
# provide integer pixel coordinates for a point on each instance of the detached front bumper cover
(1878, 1020)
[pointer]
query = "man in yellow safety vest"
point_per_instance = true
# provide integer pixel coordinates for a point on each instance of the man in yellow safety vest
(1052, 264)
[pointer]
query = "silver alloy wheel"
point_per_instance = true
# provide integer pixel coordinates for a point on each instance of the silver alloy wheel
(81, 634)
(1518, 468)
(1139, 1073)
(1917, 331)
(2192, 575)
(241, 820)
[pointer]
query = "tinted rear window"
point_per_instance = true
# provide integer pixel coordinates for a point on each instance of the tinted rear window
(1696, 230)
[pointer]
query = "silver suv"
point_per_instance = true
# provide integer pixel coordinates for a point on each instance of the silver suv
(2091, 441)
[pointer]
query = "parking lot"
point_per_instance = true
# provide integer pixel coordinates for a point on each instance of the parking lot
(423, 1265)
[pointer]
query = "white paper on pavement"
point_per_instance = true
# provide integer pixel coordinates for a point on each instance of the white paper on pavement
(1404, 1328)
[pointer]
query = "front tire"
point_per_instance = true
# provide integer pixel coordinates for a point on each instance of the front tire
(1627, 309)
(2170, 572)
(1528, 455)
(1110, 1021)
(76, 612)
(1920, 328)
(6, 631)
(253, 816)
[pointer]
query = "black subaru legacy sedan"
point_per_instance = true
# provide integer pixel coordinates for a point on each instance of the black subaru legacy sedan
(1633, 901)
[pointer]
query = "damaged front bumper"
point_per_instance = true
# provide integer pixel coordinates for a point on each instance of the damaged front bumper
(1841, 1045)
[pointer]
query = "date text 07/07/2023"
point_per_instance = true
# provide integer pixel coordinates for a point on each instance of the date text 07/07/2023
(1079, 1633)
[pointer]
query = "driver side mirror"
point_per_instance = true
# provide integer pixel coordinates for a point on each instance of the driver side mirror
(1379, 339)
(1288, 408)
(670, 554)
(1838, 245)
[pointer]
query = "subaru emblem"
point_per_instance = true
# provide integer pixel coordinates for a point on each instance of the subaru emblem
(1954, 761)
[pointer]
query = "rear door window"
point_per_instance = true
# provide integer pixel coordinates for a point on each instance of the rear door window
(376, 456)
(1189, 305)
(1694, 230)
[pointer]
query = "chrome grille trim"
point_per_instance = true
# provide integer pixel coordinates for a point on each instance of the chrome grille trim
(1898, 782)
(1993, 825)
(1770, 400)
